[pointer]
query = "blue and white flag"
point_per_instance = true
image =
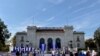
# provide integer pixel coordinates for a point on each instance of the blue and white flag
(43, 47)
(26, 49)
(14, 49)
(22, 49)
(30, 48)
(53, 45)
(17, 48)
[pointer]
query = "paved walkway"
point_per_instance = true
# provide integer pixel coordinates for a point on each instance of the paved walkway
(5, 54)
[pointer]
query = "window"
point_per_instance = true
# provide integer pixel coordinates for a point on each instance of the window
(78, 45)
(71, 41)
(27, 45)
(22, 45)
(78, 40)
(30, 44)
(71, 46)
(27, 41)
(22, 39)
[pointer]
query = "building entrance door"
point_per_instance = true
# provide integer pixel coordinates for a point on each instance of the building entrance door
(58, 43)
(42, 41)
(50, 44)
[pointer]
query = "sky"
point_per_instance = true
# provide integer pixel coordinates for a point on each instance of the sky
(83, 15)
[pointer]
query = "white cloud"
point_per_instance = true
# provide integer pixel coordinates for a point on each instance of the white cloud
(44, 9)
(44, 23)
(81, 25)
(88, 37)
(81, 2)
(76, 11)
(94, 4)
(56, 1)
(84, 8)
(15, 29)
(85, 15)
(83, 22)
(50, 19)
(98, 1)
(22, 26)
(69, 7)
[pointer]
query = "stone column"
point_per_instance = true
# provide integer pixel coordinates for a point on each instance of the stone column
(46, 44)
(54, 44)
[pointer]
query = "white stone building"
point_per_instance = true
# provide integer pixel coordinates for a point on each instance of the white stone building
(51, 36)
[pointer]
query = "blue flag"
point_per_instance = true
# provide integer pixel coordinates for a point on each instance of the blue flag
(43, 47)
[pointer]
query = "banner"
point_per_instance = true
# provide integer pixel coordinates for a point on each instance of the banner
(26, 48)
(43, 47)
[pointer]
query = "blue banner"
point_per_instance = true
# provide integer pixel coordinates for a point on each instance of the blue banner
(43, 47)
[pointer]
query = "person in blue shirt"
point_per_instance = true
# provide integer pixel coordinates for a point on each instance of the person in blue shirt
(81, 53)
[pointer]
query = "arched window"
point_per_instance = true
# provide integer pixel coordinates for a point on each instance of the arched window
(50, 44)
(42, 41)
(58, 43)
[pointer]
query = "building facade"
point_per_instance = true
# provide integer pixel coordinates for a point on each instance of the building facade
(53, 37)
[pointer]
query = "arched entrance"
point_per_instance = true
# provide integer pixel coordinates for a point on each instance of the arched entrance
(42, 41)
(58, 43)
(50, 44)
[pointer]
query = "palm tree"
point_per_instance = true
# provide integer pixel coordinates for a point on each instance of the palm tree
(97, 39)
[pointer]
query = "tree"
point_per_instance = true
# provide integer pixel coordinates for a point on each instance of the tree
(14, 40)
(97, 39)
(90, 43)
(4, 33)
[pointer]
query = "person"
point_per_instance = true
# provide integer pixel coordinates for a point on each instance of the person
(30, 54)
(88, 53)
(17, 53)
(80, 53)
(53, 52)
(34, 52)
(71, 54)
(63, 54)
(76, 54)
(58, 52)
(66, 50)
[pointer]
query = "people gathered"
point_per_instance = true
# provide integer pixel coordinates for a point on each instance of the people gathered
(56, 52)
